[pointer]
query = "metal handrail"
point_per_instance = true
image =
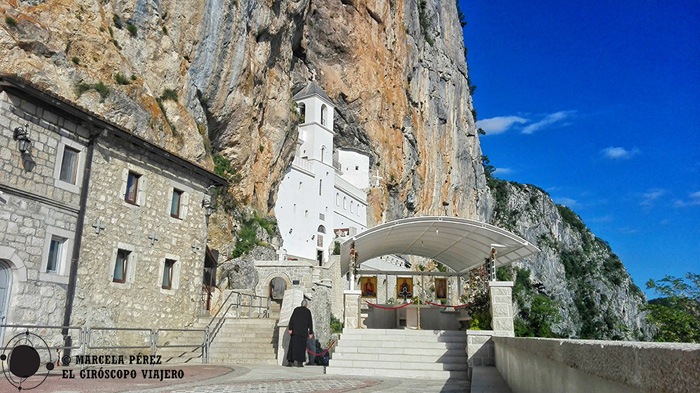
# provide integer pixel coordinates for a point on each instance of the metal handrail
(212, 332)
(85, 336)
(179, 345)
(80, 331)
(150, 334)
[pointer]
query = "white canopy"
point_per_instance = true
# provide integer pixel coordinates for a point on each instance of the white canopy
(460, 243)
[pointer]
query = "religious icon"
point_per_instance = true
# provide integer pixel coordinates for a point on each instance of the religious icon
(404, 287)
(369, 286)
(441, 288)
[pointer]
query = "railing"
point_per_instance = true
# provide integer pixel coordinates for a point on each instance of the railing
(350, 189)
(86, 334)
(338, 166)
(64, 331)
(303, 164)
(217, 324)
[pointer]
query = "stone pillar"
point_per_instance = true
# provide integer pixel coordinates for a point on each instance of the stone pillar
(351, 318)
(501, 295)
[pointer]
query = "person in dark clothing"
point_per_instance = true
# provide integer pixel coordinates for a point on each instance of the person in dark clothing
(300, 327)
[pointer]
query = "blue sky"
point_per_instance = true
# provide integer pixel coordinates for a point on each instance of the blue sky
(598, 103)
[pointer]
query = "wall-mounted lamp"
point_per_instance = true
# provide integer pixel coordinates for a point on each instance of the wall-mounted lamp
(208, 208)
(21, 135)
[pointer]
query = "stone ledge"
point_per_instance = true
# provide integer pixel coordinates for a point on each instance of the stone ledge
(641, 366)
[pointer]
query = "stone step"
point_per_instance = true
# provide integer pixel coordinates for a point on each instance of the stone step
(441, 358)
(400, 344)
(421, 374)
(398, 365)
(407, 332)
(269, 354)
(261, 362)
(403, 351)
(251, 349)
(387, 337)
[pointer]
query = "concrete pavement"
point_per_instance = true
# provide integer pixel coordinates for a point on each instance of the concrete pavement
(234, 379)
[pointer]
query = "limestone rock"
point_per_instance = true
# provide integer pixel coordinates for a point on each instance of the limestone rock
(238, 273)
(594, 293)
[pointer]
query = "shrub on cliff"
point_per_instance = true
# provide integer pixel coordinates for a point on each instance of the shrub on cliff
(677, 313)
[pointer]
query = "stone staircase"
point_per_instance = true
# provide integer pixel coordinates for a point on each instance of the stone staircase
(428, 354)
(244, 341)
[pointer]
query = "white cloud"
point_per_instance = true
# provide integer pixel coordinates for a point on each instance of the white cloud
(650, 197)
(552, 118)
(628, 230)
(614, 153)
(502, 171)
(602, 219)
(568, 202)
(693, 200)
(497, 125)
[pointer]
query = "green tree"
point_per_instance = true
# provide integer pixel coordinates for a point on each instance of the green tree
(677, 313)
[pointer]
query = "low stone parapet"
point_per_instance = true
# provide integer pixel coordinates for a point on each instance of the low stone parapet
(553, 365)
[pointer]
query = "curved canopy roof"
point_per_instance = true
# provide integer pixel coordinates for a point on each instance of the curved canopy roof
(460, 243)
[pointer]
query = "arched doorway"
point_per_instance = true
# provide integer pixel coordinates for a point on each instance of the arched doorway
(5, 287)
(277, 288)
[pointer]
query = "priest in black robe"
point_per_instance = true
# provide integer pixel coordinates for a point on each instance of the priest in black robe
(301, 327)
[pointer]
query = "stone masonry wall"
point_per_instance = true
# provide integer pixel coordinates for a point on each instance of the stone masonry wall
(140, 301)
(287, 270)
(34, 205)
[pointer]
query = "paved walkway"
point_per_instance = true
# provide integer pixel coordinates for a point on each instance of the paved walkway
(259, 379)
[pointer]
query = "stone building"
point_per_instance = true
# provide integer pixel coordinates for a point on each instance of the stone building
(98, 227)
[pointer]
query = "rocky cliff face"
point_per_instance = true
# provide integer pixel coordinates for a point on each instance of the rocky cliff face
(395, 69)
(588, 283)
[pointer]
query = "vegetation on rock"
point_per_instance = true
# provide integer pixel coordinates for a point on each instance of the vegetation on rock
(99, 87)
(676, 315)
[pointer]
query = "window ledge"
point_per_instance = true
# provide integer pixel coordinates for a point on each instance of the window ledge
(58, 183)
(168, 291)
(53, 277)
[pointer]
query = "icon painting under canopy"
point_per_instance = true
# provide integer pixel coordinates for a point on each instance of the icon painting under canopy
(369, 286)
(404, 287)
(441, 288)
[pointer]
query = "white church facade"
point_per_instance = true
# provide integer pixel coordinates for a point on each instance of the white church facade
(324, 193)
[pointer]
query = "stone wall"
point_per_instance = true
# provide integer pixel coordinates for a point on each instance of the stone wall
(147, 230)
(290, 271)
(34, 205)
(554, 365)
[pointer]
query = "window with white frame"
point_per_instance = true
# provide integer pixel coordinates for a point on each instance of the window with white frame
(324, 109)
(175, 203)
(121, 266)
(132, 187)
(56, 254)
(69, 163)
(58, 246)
(168, 273)
(69, 166)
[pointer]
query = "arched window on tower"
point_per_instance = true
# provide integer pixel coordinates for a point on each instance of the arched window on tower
(302, 113)
(324, 109)
(323, 153)
(319, 241)
(345, 203)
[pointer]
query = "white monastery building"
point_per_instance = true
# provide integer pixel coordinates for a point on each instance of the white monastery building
(324, 193)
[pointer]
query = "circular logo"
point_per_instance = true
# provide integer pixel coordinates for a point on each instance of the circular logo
(24, 361)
